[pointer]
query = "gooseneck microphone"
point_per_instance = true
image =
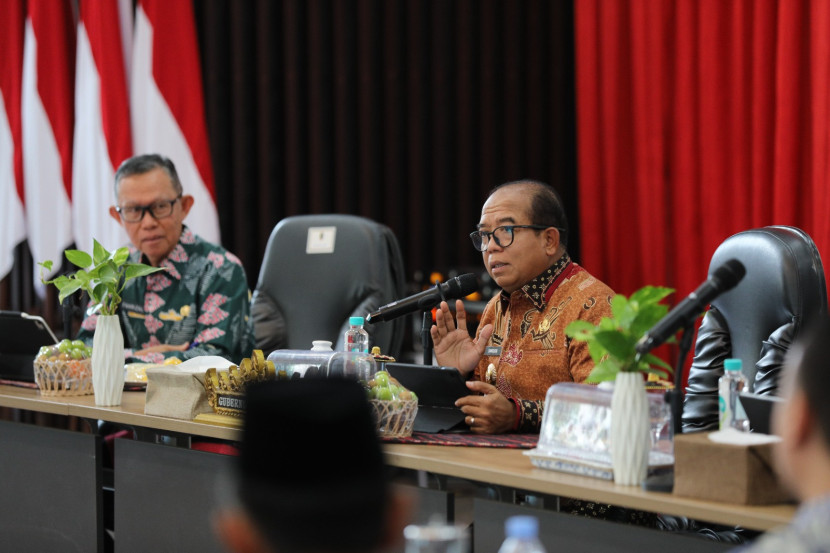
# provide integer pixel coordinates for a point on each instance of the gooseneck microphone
(724, 278)
(454, 288)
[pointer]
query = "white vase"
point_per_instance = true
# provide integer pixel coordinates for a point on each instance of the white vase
(108, 361)
(630, 438)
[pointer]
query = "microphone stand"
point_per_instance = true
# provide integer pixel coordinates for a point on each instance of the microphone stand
(675, 395)
(426, 339)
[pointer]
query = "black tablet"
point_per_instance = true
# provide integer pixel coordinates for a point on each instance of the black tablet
(21, 337)
(759, 411)
(437, 389)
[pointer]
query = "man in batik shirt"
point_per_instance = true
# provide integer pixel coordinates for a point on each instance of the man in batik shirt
(521, 349)
(199, 305)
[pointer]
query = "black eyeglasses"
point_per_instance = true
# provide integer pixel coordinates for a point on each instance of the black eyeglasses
(159, 210)
(503, 235)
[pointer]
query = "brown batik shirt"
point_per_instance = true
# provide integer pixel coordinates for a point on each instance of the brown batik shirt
(529, 349)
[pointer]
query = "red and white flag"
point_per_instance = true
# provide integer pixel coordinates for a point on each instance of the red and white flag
(12, 224)
(102, 120)
(47, 121)
(167, 102)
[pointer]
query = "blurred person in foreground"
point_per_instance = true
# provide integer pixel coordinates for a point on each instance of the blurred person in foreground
(521, 349)
(310, 476)
(802, 458)
(199, 305)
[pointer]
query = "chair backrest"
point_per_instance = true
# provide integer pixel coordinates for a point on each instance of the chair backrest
(784, 283)
(319, 270)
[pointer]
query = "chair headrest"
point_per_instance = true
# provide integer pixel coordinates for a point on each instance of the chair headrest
(319, 270)
(784, 282)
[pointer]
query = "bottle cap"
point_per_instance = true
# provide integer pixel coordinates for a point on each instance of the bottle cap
(732, 365)
(355, 320)
(522, 526)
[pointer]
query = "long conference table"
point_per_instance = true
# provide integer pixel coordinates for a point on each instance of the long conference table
(57, 495)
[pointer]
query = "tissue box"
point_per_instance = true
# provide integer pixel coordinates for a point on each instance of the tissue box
(175, 394)
(730, 473)
(178, 391)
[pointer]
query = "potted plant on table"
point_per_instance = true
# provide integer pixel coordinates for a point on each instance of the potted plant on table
(103, 275)
(612, 345)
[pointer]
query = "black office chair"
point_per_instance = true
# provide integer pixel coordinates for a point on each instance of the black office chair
(318, 271)
(757, 320)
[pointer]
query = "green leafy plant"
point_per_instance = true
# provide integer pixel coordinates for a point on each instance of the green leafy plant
(612, 343)
(102, 275)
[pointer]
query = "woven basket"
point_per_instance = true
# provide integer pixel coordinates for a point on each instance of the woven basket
(395, 418)
(64, 378)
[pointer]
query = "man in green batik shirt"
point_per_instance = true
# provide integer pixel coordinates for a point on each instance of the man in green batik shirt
(199, 305)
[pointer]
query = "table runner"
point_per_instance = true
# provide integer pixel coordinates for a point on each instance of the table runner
(19, 383)
(512, 441)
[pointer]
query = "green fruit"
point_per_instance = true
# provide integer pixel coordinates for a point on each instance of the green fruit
(77, 353)
(64, 346)
(383, 393)
(78, 344)
(382, 378)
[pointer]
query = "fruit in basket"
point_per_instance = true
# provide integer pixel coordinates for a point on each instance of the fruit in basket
(65, 350)
(385, 387)
(394, 406)
(383, 393)
(64, 368)
(381, 378)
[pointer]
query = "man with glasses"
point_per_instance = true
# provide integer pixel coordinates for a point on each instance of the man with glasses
(520, 348)
(199, 305)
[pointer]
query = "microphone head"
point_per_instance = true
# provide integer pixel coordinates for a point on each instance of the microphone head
(729, 274)
(462, 285)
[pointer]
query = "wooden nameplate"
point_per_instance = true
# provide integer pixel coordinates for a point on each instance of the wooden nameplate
(219, 420)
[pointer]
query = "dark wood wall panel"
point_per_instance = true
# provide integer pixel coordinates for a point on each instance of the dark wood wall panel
(403, 111)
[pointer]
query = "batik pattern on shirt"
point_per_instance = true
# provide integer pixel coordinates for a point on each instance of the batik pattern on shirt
(201, 298)
(529, 348)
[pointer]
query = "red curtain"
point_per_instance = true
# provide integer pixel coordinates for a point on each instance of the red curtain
(697, 119)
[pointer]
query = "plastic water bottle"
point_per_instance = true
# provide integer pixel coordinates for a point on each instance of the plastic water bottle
(356, 339)
(522, 535)
(732, 383)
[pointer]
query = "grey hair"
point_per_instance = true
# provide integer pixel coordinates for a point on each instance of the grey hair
(138, 165)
